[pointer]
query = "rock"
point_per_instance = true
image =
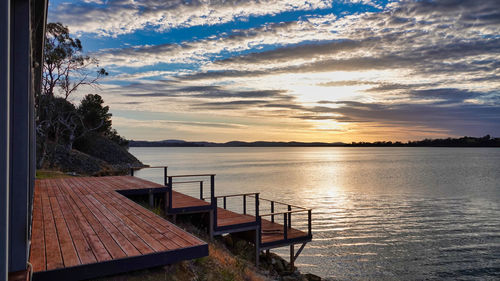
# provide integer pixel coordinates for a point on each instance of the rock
(100, 147)
(228, 241)
(311, 277)
(76, 162)
(244, 250)
(278, 266)
(292, 278)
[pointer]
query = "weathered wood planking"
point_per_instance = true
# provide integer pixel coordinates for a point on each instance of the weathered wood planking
(82, 222)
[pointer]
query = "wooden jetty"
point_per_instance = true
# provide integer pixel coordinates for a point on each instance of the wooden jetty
(86, 227)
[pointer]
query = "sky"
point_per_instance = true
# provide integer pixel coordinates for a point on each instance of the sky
(295, 70)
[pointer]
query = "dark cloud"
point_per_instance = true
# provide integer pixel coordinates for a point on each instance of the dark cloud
(203, 124)
(169, 89)
(448, 94)
(458, 119)
(161, 94)
(237, 104)
(280, 94)
(300, 51)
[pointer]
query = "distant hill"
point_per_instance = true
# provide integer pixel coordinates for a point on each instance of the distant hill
(486, 141)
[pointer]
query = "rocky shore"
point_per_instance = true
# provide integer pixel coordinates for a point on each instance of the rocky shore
(98, 156)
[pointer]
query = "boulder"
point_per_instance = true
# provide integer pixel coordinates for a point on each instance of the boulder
(74, 161)
(311, 277)
(100, 147)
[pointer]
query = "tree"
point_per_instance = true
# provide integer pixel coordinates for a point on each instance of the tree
(94, 114)
(65, 67)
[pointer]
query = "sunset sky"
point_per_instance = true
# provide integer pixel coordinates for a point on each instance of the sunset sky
(303, 70)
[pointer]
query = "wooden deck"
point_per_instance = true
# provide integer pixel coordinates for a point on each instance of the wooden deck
(84, 228)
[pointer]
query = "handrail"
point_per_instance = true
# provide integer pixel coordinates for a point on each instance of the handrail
(284, 212)
(234, 195)
(286, 204)
(165, 168)
(148, 167)
(185, 182)
(185, 176)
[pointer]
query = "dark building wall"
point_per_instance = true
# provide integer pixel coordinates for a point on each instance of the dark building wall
(20, 162)
(4, 135)
(22, 24)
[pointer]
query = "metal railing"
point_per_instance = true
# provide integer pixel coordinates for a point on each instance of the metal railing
(244, 197)
(165, 171)
(170, 183)
(287, 215)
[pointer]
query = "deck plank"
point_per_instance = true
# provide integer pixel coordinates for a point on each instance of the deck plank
(52, 247)
(37, 255)
(69, 255)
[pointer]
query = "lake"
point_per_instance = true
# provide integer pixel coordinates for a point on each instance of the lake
(378, 213)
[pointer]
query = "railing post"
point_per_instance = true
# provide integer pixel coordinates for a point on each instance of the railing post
(272, 211)
(201, 190)
(285, 226)
(257, 204)
(244, 204)
(169, 183)
(289, 216)
(309, 219)
(224, 198)
(131, 171)
(213, 200)
(165, 182)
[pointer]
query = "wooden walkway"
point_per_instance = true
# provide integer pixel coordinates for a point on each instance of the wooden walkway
(271, 234)
(84, 228)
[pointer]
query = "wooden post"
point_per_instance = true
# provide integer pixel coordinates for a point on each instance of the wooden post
(258, 241)
(132, 172)
(165, 174)
(224, 199)
(211, 225)
(289, 216)
(213, 199)
(292, 257)
(151, 199)
(285, 226)
(201, 190)
(272, 211)
(169, 191)
(257, 205)
(244, 204)
(257, 246)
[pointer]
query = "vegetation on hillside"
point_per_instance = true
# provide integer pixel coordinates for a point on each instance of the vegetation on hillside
(62, 126)
(486, 141)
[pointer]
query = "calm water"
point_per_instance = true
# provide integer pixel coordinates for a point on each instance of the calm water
(379, 213)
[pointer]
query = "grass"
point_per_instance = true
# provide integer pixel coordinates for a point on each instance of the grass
(50, 174)
(220, 265)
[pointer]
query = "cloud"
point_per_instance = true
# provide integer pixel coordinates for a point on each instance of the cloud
(237, 104)
(456, 119)
(429, 65)
(117, 17)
